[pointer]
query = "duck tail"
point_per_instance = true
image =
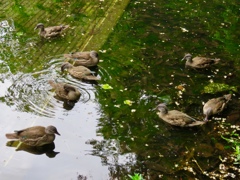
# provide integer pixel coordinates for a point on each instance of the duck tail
(197, 123)
(52, 83)
(227, 97)
(216, 61)
(65, 27)
(91, 78)
(192, 119)
(12, 136)
(68, 56)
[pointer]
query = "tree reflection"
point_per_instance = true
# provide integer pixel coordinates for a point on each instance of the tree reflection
(143, 64)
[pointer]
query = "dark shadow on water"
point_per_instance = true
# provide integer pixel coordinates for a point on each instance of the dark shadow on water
(81, 177)
(47, 149)
(68, 105)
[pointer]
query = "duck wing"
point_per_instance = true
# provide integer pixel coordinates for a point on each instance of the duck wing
(78, 55)
(203, 62)
(54, 30)
(178, 118)
(216, 105)
(82, 72)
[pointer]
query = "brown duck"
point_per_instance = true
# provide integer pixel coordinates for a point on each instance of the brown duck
(35, 136)
(79, 72)
(65, 91)
(199, 62)
(87, 59)
(50, 32)
(177, 118)
(215, 105)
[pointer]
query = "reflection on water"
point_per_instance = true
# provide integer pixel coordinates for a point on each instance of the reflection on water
(4, 86)
(6, 27)
(47, 149)
(8, 40)
(143, 57)
(32, 93)
(141, 62)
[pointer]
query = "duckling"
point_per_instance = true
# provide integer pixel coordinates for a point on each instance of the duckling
(199, 62)
(65, 91)
(35, 136)
(177, 118)
(87, 59)
(79, 72)
(215, 105)
(50, 32)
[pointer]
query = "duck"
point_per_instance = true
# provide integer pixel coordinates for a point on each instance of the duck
(65, 91)
(51, 31)
(87, 58)
(176, 118)
(199, 62)
(215, 106)
(79, 72)
(35, 135)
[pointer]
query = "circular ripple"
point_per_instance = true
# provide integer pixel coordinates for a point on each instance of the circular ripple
(32, 93)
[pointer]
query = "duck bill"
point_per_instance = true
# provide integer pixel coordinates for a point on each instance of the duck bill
(58, 133)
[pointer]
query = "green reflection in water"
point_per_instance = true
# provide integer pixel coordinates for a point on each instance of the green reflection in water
(143, 58)
(142, 65)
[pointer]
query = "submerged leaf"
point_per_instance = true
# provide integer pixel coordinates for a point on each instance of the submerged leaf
(128, 102)
(19, 33)
(167, 98)
(212, 88)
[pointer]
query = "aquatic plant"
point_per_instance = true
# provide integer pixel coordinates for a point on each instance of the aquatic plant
(234, 139)
(136, 176)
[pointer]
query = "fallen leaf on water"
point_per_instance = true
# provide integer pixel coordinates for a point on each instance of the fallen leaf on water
(128, 102)
(107, 86)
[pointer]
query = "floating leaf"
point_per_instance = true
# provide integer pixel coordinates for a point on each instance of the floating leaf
(128, 102)
(107, 86)
(212, 88)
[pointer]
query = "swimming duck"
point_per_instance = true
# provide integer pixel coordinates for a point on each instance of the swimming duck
(50, 32)
(87, 59)
(80, 72)
(177, 118)
(199, 62)
(35, 136)
(65, 91)
(215, 105)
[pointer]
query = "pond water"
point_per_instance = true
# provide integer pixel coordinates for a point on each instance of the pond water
(113, 130)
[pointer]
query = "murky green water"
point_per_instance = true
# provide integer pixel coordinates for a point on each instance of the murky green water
(111, 133)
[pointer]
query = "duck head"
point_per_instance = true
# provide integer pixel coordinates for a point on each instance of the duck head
(93, 54)
(162, 108)
(66, 66)
(39, 26)
(187, 57)
(208, 113)
(52, 130)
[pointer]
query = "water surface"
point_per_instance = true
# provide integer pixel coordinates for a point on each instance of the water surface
(110, 133)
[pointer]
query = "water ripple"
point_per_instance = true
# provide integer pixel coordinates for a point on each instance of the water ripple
(31, 92)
